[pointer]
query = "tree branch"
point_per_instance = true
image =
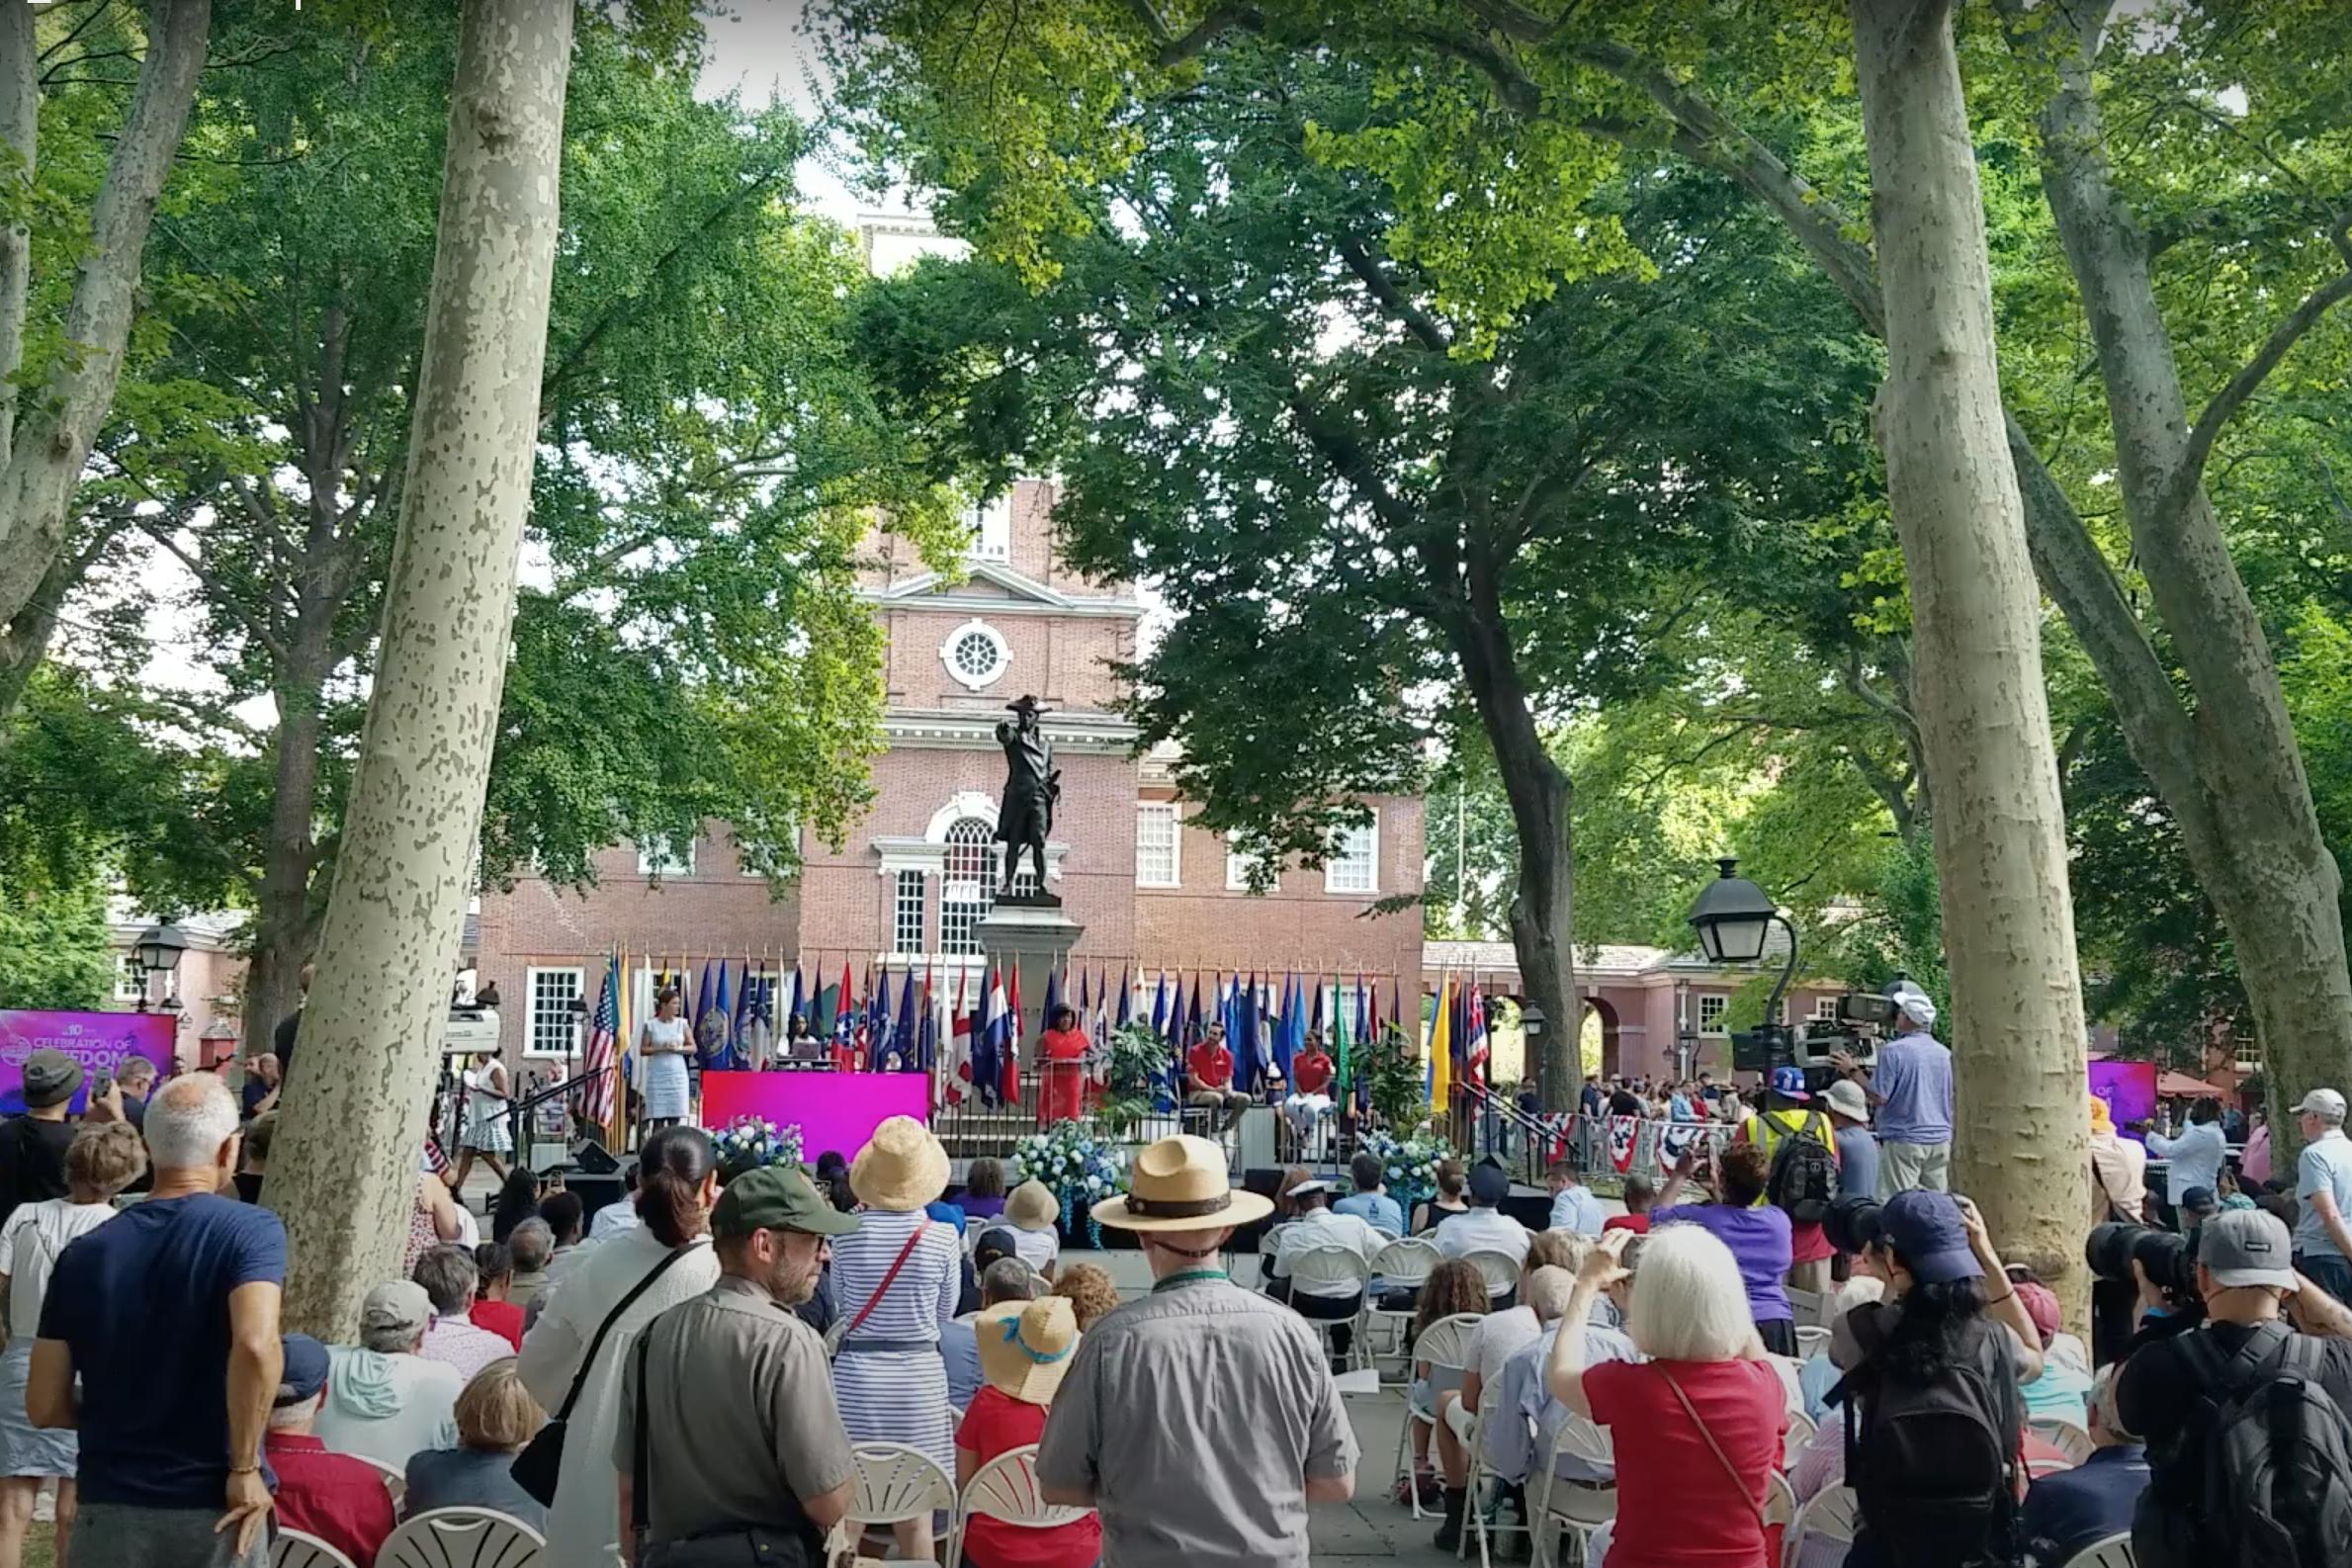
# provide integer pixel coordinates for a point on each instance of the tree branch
(1383, 288)
(1220, 20)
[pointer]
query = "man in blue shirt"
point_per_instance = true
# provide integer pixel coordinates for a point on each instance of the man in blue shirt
(1911, 1087)
(2323, 1187)
(1371, 1202)
(168, 1314)
(2068, 1509)
(1573, 1206)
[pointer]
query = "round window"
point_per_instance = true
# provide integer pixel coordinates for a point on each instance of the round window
(975, 653)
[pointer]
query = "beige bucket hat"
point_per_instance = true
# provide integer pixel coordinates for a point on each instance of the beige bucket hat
(900, 1167)
(1025, 1346)
(1181, 1185)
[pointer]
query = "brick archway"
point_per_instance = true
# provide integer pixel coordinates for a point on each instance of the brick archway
(1611, 1062)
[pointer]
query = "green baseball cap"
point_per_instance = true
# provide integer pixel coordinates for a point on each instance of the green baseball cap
(777, 1198)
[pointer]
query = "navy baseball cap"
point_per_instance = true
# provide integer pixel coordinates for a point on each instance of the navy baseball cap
(2198, 1201)
(1489, 1184)
(1926, 1232)
(306, 1371)
(1789, 1083)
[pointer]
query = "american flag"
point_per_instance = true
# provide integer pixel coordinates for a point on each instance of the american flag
(604, 1036)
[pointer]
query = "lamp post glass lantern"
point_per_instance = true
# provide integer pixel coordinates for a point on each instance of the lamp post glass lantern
(157, 952)
(1732, 917)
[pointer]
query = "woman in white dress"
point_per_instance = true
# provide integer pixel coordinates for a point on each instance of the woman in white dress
(677, 1184)
(486, 1133)
(102, 1161)
(661, 1047)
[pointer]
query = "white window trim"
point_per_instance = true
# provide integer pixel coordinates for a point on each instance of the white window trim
(981, 628)
(1238, 865)
(1175, 842)
(995, 511)
(580, 976)
(1825, 1009)
(1714, 1029)
(923, 907)
(1373, 861)
(130, 981)
(667, 865)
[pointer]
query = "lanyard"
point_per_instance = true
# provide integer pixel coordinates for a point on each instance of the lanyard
(1189, 1277)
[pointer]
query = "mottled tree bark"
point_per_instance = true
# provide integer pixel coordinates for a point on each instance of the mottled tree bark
(2000, 832)
(343, 1174)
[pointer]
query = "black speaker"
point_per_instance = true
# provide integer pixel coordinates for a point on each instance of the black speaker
(592, 1158)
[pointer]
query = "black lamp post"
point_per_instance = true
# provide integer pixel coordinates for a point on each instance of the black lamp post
(1733, 918)
(158, 952)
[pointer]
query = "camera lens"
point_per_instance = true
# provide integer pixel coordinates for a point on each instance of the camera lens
(1852, 1223)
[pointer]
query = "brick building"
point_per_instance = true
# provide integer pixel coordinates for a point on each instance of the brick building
(916, 873)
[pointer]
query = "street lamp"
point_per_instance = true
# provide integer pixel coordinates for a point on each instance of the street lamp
(158, 952)
(1733, 918)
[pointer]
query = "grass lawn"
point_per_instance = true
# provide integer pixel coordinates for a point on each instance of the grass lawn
(40, 1547)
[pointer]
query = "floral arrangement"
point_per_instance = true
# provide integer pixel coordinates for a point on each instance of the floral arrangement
(1082, 1169)
(747, 1143)
(1410, 1164)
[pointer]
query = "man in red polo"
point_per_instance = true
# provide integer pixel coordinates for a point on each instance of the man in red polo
(333, 1496)
(1208, 1076)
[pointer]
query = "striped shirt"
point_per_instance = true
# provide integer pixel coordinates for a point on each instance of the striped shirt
(898, 1395)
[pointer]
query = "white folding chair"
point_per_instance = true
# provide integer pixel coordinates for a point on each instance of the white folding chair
(462, 1537)
(1500, 1270)
(1793, 1385)
(2068, 1438)
(1006, 1489)
(1780, 1502)
(1446, 1347)
(1801, 1433)
(395, 1479)
(1811, 1339)
(1325, 1266)
(2113, 1552)
(1403, 1264)
(1576, 1506)
(1808, 1305)
(894, 1483)
(293, 1549)
(1828, 1514)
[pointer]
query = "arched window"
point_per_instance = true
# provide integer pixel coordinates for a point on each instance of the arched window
(968, 883)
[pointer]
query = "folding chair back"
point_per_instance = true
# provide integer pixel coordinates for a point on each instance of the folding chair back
(1330, 1266)
(2113, 1552)
(1407, 1262)
(1828, 1514)
(894, 1483)
(1006, 1489)
(462, 1537)
(1500, 1270)
(294, 1549)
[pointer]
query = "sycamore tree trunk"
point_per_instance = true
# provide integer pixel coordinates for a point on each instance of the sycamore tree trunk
(343, 1174)
(46, 435)
(2000, 833)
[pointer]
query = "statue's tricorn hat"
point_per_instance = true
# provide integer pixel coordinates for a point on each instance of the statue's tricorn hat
(1024, 704)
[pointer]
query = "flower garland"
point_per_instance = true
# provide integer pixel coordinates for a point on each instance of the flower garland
(747, 1143)
(1409, 1166)
(1077, 1166)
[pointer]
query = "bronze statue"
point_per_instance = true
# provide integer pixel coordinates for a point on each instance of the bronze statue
(1032, 784)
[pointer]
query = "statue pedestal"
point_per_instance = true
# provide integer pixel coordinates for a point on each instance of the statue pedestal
(1036, 936)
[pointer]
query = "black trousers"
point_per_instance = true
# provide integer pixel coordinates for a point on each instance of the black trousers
(1328, 1309)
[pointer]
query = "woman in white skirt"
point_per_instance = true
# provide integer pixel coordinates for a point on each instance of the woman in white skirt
(486, 1133)
(887, 1376)
(661, 1047)
(103, 1158)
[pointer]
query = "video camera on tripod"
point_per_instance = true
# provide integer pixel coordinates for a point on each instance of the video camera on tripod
(1863, 1018)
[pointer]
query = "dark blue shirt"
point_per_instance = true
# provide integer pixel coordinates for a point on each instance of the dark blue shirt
(2068, 1509)
(143, 1305)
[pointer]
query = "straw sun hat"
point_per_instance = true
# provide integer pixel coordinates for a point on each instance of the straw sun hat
(1181, 1185)
(1025, 1346)
(900, 1167)
(1034, 1207)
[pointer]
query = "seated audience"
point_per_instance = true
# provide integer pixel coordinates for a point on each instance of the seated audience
(1515, 1449)
(450, 1281)
(383, 1400)
(338, 1498)
(1542, 1297)
(1758, 1234)
(495, 1417)
(2068, 1509)
(1483, 1226)
(493, 1266)
(984, 1190)
(1452, 1176)
(1454, 1288)
(101, 1161)
(517, 1201)
(1035, 1215)
(1317, 1229)
(1641, 1196)
(1369, 1200)
(532, 1244)
(1573, 1206)
(1819, 1374)
(1008, 1279)
(1697, 1433)
(1025, 1349)
(1091, 1291)
(618, 1216)
(563, 1211)
(2065, 1387)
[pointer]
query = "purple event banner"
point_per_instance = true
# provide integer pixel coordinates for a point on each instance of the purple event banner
(99, 1041)
(2130, 1089)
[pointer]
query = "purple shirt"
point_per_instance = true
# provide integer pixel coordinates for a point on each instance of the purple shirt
(1913, 1080)
(1759, 1240)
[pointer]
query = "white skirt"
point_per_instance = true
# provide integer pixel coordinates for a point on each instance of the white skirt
(667, 1092)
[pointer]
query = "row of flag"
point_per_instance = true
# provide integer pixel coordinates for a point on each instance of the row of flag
(1457, 1042)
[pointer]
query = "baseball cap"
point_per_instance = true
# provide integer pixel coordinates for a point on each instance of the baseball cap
(1489, 1184)
(306, 1371)
(396, 1304)
(2247, 1247)
(1913, 1000)
(2319, 1101)
(776, 1199)
(2198, 1201)
(2041, 1305)
(1789, 1083)
(1926, 1232)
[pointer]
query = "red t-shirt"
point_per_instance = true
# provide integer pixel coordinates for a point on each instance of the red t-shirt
(338, 1498)
(996, 1423)
(1638, 1223)
(1212, 1065)
(1675, 1506)
(502, 1318)
(1311, 1071)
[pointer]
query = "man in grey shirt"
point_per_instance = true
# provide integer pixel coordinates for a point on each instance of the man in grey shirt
(1857, 1152)
(741, 1439)
(1200, 1420)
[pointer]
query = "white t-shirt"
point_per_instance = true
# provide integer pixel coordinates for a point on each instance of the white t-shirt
(36, 1233)
(1499, 1337)
(1037, 1248)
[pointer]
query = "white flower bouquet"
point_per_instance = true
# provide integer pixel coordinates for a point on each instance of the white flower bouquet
(1409, 1165)
(749, 1142)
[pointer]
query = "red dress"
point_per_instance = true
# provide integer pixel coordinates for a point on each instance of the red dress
(1063, 1055)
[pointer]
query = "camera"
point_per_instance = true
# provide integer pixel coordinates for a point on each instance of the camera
(1852, 1223)
(1862, 1016)
(2168, 1258)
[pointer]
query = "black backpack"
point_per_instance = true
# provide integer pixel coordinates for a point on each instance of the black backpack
(1804, 1174)
(2263, 1473)
(1934, 1466)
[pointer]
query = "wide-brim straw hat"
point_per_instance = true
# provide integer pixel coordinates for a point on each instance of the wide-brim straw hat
(1025, 1346)
(1032, 1207)
(1181, 1185)
(900, 1167)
